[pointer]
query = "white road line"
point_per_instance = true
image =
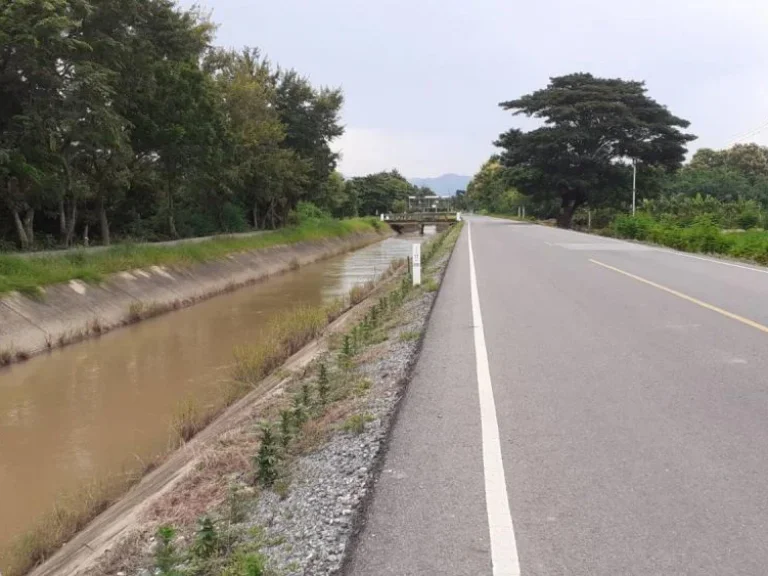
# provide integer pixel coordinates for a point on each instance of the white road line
(731, 264)
(503, 547)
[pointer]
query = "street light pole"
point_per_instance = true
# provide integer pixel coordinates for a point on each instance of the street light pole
(634, 184)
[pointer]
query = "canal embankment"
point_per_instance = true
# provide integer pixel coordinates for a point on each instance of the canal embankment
(53, 300)
(279, 480)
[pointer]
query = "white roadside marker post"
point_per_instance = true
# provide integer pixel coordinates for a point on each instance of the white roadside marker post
(416, 264)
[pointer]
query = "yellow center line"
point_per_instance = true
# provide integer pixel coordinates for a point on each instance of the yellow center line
(696, 301)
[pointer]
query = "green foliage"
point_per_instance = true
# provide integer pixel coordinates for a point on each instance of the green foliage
(306, 394)
(355, 424)
(267, 457)
(346, 349)
(590, 125)
(247, 564)
(381, 193)
(323, 385)
(206, 540)
(300, 415)
(286, 427)
(166, 556)
(118, 117)
(702, 235)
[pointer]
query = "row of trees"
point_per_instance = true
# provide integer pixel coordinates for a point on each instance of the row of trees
(728, 186)
(120, 116)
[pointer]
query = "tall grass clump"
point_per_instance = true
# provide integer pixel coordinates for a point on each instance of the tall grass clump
(285, 335)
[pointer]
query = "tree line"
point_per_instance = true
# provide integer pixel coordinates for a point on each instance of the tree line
(119, 118)
(593, 130)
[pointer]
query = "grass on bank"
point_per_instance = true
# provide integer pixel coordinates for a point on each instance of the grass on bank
(28, 274)
(701, 236)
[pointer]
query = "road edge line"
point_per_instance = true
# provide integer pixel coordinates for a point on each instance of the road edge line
(504, 557)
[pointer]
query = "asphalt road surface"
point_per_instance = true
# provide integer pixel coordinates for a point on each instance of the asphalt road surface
(602, 411)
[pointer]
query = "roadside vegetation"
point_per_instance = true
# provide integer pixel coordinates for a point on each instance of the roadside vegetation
(28, 274)
(577, 171)
(313, 409)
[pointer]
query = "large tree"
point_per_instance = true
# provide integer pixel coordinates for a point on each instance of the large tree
(593, 128)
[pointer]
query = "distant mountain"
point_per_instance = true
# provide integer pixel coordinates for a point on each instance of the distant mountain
(445, 185)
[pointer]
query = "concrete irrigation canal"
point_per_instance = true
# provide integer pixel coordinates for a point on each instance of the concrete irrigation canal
(104, 406)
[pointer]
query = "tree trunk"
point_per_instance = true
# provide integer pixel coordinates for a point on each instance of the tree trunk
(272, 213)
(103, 222)
(171, 219)
(572, 198)
(71, 223)
(20, 230)
(255, 216)
(62, 222)
(29, 225)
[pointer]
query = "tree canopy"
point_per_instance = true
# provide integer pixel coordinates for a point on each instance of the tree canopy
(119, 117)
(592, 129)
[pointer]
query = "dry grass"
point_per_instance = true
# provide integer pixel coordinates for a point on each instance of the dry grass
(188, 419)
(69, 516)
(124, 558)
(6, 356)
(139, 311)
(286, 334)
(360, 292)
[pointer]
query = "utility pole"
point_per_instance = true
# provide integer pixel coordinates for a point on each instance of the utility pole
(634, 184)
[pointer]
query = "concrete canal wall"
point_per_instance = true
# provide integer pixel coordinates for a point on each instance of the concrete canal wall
(66, 313)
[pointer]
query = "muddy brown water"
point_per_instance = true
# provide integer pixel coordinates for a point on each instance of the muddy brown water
(104, 406)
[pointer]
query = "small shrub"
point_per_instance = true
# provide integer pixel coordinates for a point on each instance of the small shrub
(235, 505)
(323, 385)
(165, 552)
(267, 457)
(355, 424)
(430, 285)
(206, 540)
(409, 335)
(299, 412)
(633, 227)
(306, 395)
(346, 349)
(286, 427)
(247, 564)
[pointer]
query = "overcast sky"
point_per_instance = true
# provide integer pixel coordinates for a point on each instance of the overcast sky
(422, 78)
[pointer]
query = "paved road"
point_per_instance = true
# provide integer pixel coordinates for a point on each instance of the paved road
(630, 396)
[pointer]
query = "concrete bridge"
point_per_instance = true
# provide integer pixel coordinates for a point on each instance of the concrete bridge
(416, 221)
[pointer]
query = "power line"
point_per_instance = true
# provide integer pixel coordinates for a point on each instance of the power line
(749, 134)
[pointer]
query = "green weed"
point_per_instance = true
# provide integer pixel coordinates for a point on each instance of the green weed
(355, 424)
(267, 457)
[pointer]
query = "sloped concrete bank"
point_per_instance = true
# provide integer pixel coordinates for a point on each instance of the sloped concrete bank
(67, 313)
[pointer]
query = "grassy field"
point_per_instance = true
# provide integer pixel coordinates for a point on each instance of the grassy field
(28, 274)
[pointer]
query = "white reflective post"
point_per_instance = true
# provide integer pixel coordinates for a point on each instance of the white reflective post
(416, 264)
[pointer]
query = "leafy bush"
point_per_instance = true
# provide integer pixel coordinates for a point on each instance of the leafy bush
(307, 212)
(633, 227)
